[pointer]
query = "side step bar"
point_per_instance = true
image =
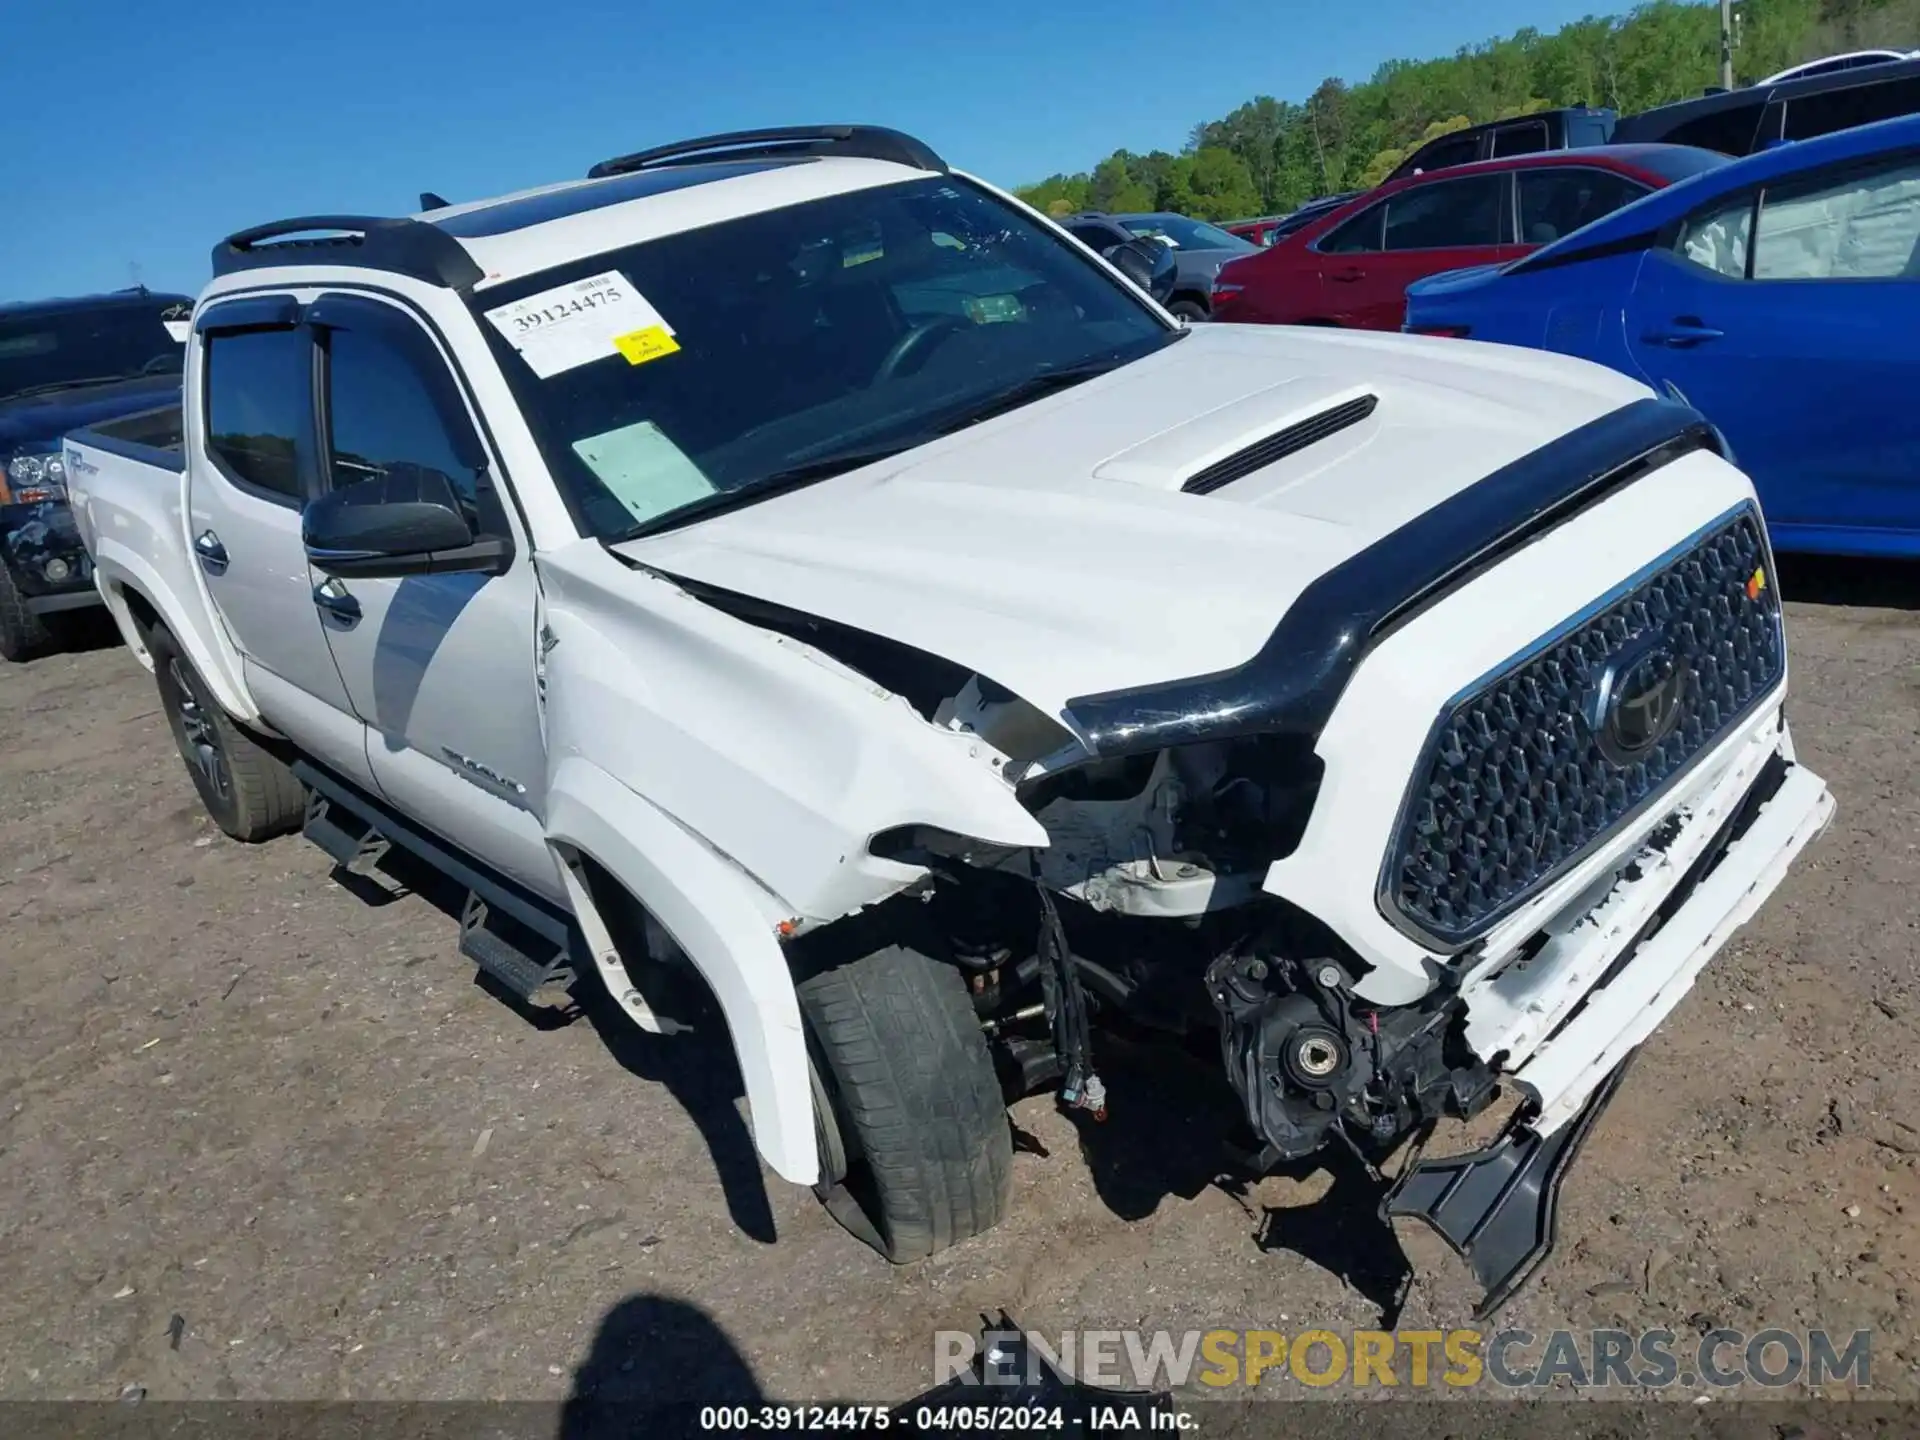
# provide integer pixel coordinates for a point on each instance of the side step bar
(517, 938)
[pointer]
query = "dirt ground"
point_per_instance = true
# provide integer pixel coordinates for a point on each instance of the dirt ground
(234, 1092)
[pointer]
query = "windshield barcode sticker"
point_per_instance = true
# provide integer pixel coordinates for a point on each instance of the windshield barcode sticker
(576, 324)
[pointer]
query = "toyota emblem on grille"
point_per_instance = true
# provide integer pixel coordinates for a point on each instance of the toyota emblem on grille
(1638, 701)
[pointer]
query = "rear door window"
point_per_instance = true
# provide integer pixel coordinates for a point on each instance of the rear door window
(259, 388)
(1521, 139)
(1441, 154)
(1833, 110)
(1730, 131)
(1097, 237)
(1449, 214)
(1558, 200)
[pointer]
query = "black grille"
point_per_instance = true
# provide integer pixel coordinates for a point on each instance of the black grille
(1514, 787)
(1277, 446)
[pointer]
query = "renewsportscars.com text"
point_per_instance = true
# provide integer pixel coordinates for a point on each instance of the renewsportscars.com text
(1416, 1359)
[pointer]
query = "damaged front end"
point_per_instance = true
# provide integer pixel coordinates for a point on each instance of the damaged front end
(1459, 826)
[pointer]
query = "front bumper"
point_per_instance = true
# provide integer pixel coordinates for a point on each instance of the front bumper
(1563, 1020)
(38, 537)
(1579, 1010)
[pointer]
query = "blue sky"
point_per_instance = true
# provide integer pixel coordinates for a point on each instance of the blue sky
(137, 134)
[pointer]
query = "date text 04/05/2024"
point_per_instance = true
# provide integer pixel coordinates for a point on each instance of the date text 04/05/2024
(941, 1419)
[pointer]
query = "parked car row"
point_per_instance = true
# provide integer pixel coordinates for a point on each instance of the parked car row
(896, 628)
(1351, 265)
(1799, 103)
(1779, 295)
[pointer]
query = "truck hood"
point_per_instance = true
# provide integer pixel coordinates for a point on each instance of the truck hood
(1053, 550)
(49, 417)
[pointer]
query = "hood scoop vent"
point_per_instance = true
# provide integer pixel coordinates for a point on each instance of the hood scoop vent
(1282, 443)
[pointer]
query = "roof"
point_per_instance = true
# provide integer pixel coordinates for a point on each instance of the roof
(624, 201)
(1662, 118)
(72, 304)
(1834, 64)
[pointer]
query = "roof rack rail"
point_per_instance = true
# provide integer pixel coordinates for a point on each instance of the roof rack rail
(870, 142)
(400, 247)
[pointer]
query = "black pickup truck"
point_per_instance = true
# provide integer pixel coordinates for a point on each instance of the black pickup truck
(65, 364)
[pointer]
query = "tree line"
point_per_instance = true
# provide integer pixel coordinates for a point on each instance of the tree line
(1270, 155)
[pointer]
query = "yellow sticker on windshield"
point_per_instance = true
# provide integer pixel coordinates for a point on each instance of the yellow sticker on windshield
(640, 346)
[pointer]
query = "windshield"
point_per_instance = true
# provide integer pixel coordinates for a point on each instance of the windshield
(1186, 234)
(58, 350)
(711, 368)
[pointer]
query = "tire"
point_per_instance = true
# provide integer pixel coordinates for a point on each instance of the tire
(250, 794)
(917, 1125)
(23, 634)
(1190, 311)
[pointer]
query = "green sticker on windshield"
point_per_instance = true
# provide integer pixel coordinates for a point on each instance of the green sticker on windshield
(643, 469)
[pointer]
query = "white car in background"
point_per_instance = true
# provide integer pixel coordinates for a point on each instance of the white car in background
(783, 562)
(1834, 64)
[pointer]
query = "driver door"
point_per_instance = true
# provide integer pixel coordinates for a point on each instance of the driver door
(440, 667)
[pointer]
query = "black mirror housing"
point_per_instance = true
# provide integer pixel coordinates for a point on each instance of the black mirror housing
(407, 520)
(1148, 264)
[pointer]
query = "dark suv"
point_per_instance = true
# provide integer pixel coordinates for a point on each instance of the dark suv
(1739, 122)
(65, 364)
(1572, 127)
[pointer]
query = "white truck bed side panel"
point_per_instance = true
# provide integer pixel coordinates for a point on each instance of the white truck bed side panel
(132, 517)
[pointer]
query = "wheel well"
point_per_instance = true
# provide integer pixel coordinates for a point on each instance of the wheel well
(145, 618)
(1198, 297)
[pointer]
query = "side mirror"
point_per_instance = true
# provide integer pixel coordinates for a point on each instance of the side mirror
(1148, 264)
(405, 520)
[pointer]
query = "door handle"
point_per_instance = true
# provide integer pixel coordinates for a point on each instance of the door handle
(212, 554)
(334, 598)
(1682, 332)
(1348, 275)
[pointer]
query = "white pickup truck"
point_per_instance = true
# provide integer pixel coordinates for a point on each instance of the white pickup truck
(781, 560)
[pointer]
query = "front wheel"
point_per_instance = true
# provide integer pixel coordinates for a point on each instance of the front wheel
(250, 793)
(916, 1154)
(1188, 312)
(23, 634)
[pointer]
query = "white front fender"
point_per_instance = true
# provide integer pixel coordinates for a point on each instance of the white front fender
(120, 570)
(720, 919)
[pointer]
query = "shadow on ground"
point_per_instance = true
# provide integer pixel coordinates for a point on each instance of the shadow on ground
(1847, 580)
(1168, 1131)
(697, 1066)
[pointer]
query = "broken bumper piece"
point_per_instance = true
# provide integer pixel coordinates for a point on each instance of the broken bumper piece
(1496, 1206)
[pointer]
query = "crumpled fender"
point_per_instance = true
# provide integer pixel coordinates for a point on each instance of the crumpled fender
(722, 921)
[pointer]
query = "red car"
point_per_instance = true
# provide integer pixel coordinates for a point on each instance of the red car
(1352, 265)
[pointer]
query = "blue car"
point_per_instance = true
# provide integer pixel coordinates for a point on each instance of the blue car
(1779, 295)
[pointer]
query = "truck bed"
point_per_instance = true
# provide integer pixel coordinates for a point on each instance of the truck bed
(152, 437)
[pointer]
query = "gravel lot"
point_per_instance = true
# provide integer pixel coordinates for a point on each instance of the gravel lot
(235, 1092)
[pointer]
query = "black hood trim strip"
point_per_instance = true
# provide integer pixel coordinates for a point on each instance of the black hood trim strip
(1291, 686)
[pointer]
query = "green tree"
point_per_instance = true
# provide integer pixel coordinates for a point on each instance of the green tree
(1221, 186)
(1343, 135)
